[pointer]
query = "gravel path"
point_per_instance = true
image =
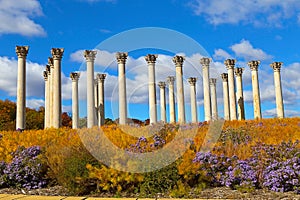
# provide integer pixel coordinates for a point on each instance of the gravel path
(214, 193)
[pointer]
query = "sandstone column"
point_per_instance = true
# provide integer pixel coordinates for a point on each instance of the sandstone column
(162, 86)
(121, 58)
(46, 114)
(206, 92)
(90, 56)
(96, 94)
(75, 105)
(232, 98)
(239, 93)
(255, 88)
(224, 77)
(278, 90)
(192, 81)
(101, 113)
(21, 52)
(170, 81)
(57, 54)
(50, 79)
(47, 97)
(214, 104)
(178, 60)
(96, 101)
(151, 59)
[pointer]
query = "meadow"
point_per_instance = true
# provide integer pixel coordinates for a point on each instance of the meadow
(247, 155)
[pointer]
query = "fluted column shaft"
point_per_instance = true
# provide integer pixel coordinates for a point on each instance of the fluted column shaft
(45, 74)
(121, 58)
(50, 79)
(192, 81)
(232, 98)
(224, 77)
(75, 105)
(170, 81)
(57, 54)
(206, 91)
(101, 111)
(213, 93)
(48, 97)
(239, 93)
(255, 88)
(162, 86)
(278, 89)
(21, 52)
(178, 60)
(96, 93)
(46, 114)
(90, 56)
(96, 97)
(151, 59)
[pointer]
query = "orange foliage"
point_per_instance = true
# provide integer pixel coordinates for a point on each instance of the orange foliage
(58, 143)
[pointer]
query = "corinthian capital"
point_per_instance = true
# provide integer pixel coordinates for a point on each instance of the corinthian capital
(151, 58)
(254, 65)
(22, 51)
(161, 84)
(170, 79)
(74, 76)
(50, 61)
(224, 77)
(48, 69)
(239, 71)
(229, 63)
(57, 53)
(45, 74)
(205, 62)
(121, 57)
(101, 77)
(276, 66)
(192, 81)
(178, 60)
(90, 55)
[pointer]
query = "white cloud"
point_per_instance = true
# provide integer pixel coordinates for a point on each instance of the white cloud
(270, 113)
(291, 83)
(245, 50)
(291, 113)
(67, 109)
(35, 103)
(66, 87)
(273, 113)
(221, 54)
(103, 58)
(258, 13)
(8, 77)
(290, 75)
(35, 84)
(15, 17)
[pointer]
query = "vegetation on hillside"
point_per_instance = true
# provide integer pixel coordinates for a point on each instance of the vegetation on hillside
(34, 118)
(248, 155)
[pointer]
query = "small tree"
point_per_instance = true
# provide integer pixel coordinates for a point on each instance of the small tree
(66, 120)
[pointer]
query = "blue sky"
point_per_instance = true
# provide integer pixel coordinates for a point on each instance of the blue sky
(267, 30)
